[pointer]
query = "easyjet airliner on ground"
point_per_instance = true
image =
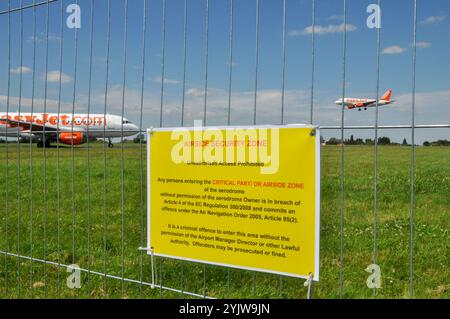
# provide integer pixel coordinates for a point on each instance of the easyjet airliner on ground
(352, 103)
(65, 128)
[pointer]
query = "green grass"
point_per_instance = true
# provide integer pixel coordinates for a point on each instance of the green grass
(431, 235)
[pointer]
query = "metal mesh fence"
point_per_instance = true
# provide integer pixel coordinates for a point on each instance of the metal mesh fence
(86, 206)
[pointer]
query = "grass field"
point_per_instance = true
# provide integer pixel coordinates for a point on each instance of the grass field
(25, 222)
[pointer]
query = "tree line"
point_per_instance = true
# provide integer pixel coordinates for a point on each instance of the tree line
(381, 141)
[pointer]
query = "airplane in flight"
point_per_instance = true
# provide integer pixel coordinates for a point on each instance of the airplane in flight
(355, 103)
(66, 128)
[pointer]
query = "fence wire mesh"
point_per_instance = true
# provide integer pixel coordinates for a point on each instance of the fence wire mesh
(85, 206)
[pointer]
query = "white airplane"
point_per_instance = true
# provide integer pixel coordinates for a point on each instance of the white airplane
(65, 128)
(352, 103)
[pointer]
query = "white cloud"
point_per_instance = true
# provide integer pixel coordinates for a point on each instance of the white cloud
(268, 105)
(21, 69)
(195, 92)
(42, 37)
(56, 76)
(394, 49)
(337, 17)
(423, 44)
(166, 80)
(322, 30)
(433, 19)
(437, 110)
(296, 108)
(102, 59)
(26, 103)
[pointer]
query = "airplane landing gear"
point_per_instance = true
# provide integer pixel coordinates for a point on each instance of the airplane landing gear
(110, 144)
(359, 110)
(43, 142)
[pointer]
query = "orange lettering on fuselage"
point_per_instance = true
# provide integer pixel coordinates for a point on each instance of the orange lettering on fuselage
(63, 119)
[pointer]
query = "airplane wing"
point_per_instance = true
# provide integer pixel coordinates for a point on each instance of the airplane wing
(36, 128)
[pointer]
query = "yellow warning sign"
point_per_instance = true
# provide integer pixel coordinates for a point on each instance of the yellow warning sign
(245, 197)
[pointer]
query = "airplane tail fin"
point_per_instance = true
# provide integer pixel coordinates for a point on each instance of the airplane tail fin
(387, 95)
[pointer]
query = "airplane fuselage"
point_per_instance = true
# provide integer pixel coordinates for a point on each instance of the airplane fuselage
(97, 125)
(356, 101)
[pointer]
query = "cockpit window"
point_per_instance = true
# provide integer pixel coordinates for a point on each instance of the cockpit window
(126, 122)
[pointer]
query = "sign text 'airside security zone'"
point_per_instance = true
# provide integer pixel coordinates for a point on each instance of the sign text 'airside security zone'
(245, 197)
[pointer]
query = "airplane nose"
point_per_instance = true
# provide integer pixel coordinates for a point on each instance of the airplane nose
(131, 127)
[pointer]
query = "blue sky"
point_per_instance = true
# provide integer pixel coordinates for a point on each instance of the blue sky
(433, 64)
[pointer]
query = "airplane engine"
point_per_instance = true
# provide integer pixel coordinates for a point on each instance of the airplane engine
(72, 138)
